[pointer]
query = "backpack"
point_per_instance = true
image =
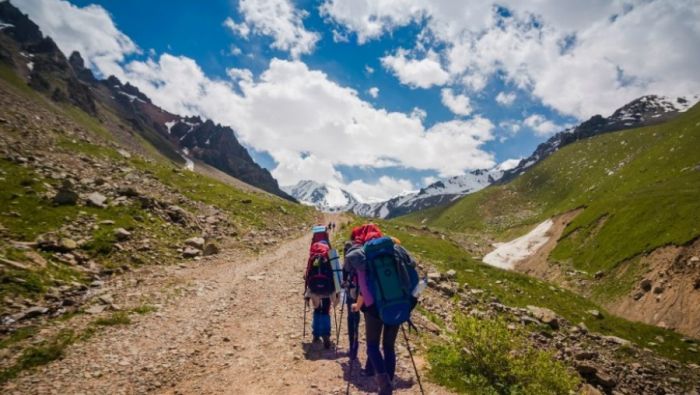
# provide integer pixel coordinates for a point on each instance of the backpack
(391, 277)
(320, 233)
(319, 272)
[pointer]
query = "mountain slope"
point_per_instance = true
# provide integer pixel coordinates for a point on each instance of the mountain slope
(639, 190)
(644, 111)
(121, 107)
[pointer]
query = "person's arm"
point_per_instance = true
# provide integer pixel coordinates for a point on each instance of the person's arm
(358, 304)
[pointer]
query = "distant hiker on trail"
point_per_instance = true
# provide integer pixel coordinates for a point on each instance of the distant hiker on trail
(387, 281)
(320, 287)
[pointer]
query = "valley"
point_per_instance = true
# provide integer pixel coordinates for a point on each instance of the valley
(142, 251)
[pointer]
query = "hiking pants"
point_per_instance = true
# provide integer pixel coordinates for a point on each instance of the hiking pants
(353, 328)
(321, 323)
(376, 330)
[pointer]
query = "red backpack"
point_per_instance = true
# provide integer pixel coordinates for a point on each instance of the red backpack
(319, 272)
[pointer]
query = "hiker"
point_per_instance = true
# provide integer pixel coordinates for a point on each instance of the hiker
(376, 329)
(351, 294)
(320, 289)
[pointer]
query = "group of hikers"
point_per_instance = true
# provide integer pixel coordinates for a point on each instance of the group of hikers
(378, 278)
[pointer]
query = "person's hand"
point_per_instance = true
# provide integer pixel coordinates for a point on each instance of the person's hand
(355, 307)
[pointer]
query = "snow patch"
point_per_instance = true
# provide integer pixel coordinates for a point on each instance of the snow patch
(30, 66)
(4, 25)
(170, 125)
(506, 255)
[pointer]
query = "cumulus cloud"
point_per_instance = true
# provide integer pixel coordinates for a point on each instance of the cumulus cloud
(318, 125)
(580, 58)
(505, 98)
(88, 30)
(458, 104)
(373, 91)
(541, 125)
(422, 73)
(278, 19)
(314, 116)
(383, 189)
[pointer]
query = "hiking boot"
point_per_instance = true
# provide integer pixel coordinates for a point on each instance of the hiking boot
(326, 342)
(316, 339)
(384, 384)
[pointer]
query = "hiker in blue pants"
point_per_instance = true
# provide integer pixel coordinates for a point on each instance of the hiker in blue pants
(321, 322)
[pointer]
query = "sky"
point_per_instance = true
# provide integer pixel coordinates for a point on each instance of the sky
(384, 96)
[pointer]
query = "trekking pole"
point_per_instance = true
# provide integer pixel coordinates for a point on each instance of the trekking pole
(408, 346)
(335, 316)
(340, 325)
(306, 305)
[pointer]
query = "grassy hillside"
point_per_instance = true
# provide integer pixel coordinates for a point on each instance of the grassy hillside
(640, 189)
(515, 289)
(46, 145)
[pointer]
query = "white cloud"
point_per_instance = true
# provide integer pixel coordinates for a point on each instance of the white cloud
(458, 104)
(317, 125)
(241, 29)
(422, 73)
(88, 30)
(580, 58)
(278, 19)
(541, 125)
(511, 126)
(314, 116)
(429, 180)
(373, 91)
(505, 98)
(240, 75)
(369, 70)
(383, 189)
(508, 164)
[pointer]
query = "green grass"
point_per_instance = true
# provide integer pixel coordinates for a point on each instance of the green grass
(40, 354)
(18, 335)
(117, 318)
(645, 182)
(249, 210)
(144, 309)
(519, 290)
(485, 357)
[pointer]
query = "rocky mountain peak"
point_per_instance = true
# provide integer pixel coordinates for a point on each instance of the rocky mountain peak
(646, 110)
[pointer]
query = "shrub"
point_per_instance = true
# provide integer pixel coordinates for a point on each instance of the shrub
(485, 357)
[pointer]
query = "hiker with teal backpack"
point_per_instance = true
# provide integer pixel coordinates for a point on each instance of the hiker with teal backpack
(388, 282)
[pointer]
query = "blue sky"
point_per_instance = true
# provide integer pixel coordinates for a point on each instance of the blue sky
(438, 68)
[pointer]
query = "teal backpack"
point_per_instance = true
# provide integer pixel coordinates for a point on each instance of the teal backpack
(391, 281)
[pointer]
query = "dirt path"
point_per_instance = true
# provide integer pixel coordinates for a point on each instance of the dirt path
(234, 326)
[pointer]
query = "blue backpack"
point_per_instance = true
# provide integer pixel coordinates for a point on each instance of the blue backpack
(391, 278)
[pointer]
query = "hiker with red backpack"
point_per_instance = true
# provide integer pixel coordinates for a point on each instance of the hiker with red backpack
(320, 285)
(388, 281)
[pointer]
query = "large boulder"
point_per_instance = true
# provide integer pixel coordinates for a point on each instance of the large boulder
(96, 199)
(545, 315)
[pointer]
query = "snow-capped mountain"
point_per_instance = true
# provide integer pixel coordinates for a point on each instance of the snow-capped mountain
(324, 197)
(439, 192)
(334, 199)
(644, 111)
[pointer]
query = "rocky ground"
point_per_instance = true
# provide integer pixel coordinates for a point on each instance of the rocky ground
(607, 364)
(226, 324)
